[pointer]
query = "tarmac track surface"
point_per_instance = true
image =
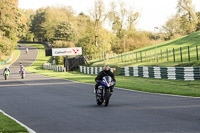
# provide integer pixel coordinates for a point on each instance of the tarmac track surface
(52, 105)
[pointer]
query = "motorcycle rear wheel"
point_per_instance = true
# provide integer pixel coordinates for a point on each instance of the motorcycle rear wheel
(107, 98)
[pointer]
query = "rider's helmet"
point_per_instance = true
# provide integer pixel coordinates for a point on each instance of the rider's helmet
(106, 68)
(7, 67)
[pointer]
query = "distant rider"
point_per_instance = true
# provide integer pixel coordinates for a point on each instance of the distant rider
(6, 69)
(21, 68)
(105, 72)
(27, 50)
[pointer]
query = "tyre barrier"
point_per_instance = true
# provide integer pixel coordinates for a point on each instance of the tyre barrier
(56, 68)
(92, 70)
(7, 61)
(175, 73)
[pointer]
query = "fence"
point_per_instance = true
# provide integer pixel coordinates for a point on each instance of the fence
(92, 70)
(7, 61)
(49, 66)
(175, 73)
(178, 54)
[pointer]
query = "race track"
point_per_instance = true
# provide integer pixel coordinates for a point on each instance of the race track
(52, 105)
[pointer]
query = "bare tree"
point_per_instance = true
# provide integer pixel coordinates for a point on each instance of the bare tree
(99, 14)
(122, 18)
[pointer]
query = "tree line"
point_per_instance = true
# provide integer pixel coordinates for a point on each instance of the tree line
(60, 26)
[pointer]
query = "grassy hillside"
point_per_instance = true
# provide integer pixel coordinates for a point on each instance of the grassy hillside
(147, 56)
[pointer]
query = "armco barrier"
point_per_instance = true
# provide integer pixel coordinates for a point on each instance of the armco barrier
(7, 61)
(175, 73)
(92, 70)
(49, 66)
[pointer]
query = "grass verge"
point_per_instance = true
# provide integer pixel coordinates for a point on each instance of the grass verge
(176, 87)
(7, 125)
(15, 56)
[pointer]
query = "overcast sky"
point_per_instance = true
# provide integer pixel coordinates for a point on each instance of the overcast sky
(153, 13)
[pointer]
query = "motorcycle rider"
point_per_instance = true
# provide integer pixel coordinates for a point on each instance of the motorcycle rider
(105, 72)
(6, 68)
(20, 67)
(27, 50)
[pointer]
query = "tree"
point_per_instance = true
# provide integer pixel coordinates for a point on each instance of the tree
(123, 20)
(188, 15)
(64, 31)
(36, 24)
(46, 21)
(11, 20)
(99, 14)
(172, 26)
(12, 26)
(198, 21)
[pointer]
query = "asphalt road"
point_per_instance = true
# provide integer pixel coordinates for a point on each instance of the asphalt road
(52, 105)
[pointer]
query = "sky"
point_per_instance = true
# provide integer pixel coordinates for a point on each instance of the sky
(153, 13)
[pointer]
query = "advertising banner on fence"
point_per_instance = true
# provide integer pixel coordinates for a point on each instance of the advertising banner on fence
(66, 51)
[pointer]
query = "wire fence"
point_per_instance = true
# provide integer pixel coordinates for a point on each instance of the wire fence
(181, 54)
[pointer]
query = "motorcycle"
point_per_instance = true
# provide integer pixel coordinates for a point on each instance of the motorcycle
(104, 93)
(6, 74)
(22, 73)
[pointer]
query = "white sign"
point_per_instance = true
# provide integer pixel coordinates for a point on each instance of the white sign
(66, 51)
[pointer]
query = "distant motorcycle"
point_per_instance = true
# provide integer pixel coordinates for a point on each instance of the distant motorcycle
(22, 73)
(6, 74)
(104, 93)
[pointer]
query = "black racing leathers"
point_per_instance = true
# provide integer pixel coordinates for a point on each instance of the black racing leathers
(101, 75)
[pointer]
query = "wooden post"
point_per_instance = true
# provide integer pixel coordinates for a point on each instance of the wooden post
(181, 54)
(141, 56)
(161, 54)
(174, 55)
(197, 52)
(121, 58)
(189, 53)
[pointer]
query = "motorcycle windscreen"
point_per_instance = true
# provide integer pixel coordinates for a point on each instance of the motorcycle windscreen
(108, 79)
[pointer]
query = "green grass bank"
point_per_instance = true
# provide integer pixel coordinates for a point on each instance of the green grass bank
(7, 125)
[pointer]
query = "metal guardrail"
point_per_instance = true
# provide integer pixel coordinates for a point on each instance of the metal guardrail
(92, 70)
(175, 73)
(49, 66)
(7, 61)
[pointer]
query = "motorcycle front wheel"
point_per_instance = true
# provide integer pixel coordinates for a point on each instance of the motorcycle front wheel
(6, 77)
(107, 97)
